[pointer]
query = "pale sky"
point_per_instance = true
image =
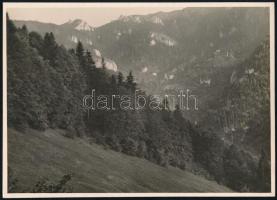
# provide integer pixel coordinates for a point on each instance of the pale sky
(95, 16)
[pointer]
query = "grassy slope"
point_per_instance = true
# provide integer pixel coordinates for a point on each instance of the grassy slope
(49, 154)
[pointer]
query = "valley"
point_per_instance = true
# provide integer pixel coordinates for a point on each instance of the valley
(216, 140)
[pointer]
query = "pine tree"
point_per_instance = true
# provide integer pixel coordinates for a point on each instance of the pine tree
(113, 84)
(71, 51)
(113, 80)
(130, 81)
(183, 124)
(120, 78)
(103, 63)
(89, 60)
(12, 40)
(130, 78)
(24, 29)
(11, 28)
(50, 48)
(36, 41)
(80, 52)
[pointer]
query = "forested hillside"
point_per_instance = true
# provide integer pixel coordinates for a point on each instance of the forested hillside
(46, 84)
(206, 50)
(244, 111)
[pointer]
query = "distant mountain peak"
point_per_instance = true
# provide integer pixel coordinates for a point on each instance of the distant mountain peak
(80, 25)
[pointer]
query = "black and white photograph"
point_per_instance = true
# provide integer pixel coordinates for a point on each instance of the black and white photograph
(138, 99)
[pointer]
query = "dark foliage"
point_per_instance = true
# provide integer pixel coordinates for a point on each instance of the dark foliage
(46, 186)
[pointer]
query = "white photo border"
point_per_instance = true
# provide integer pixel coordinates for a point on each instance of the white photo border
(271, 7)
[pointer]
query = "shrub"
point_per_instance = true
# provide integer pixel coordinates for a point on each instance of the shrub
(129, 146)
(46, 186)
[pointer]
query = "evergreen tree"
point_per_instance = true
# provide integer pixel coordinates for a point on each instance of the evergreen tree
(103, 63)
(36, 41)
(120, 78)
(12, 39)
(113, 80)
(113, 85)
(10, 26)
(50, 48)
(71, 51)
(81, 54)
(130, 82)
(80, 50)
(90, 61)
(130, 78)
(24, 29)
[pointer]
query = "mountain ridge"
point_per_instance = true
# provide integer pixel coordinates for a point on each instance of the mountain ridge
(191, 50)
(165, 137)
